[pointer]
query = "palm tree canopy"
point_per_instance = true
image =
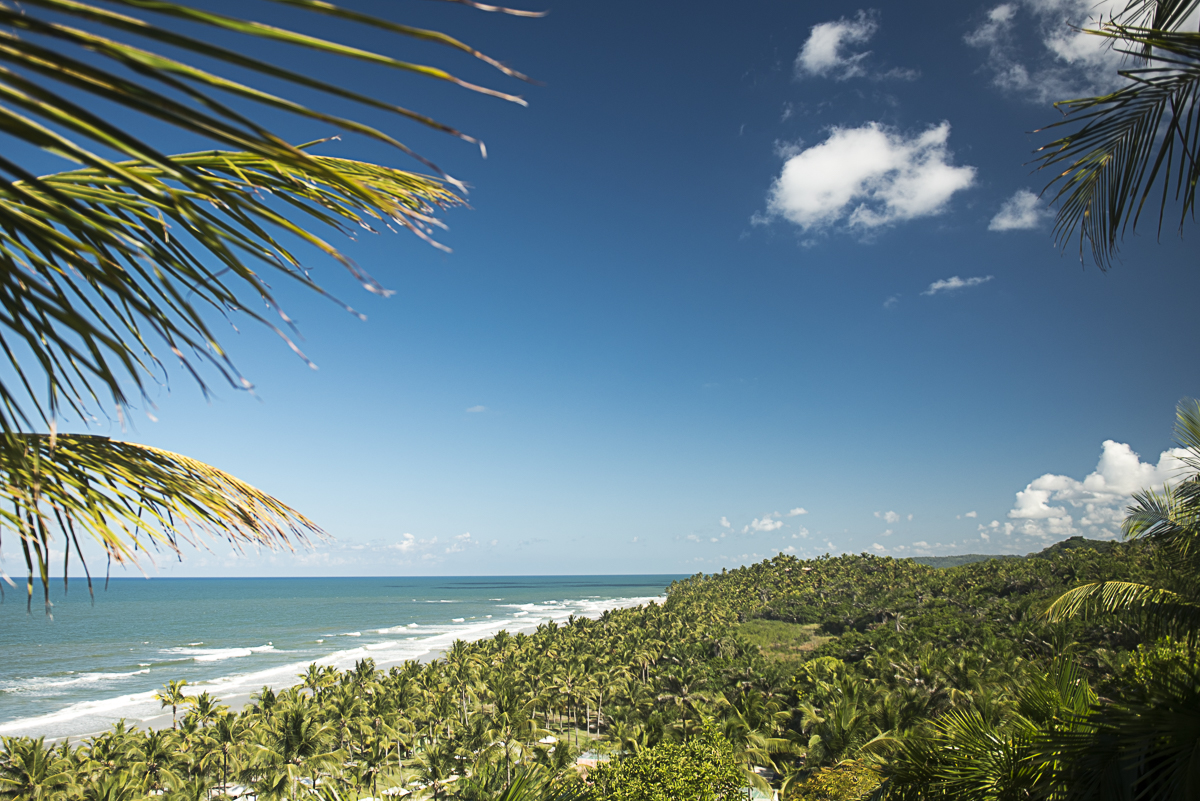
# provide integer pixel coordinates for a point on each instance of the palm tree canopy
(109, 267)
(1134, 143)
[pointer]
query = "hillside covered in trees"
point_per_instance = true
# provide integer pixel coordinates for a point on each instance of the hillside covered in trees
(838, 677)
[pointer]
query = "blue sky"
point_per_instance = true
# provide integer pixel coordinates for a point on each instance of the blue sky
(743, 278)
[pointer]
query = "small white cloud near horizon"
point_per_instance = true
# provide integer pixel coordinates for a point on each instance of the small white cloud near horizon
(1021, 212)
(477, 409)
(866, 178)
(954, 282)
(460, 543)
(724, 521)
(1057, 506)
(797, 511)
(888, 517)
(765, 524)
(823, 53)
(971, 514)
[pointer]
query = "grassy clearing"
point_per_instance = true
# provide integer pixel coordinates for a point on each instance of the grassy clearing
(780, 641)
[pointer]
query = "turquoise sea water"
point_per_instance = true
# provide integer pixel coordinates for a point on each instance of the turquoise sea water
(96, 664)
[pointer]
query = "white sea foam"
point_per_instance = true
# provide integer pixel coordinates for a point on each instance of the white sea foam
(49, 685)
(457, 619)
(217, 654)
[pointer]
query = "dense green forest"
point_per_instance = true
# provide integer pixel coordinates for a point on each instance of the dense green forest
(838, 677)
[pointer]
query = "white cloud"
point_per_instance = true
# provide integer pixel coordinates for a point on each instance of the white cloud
(797, 511)
(879, 547)
(1057, 506)
(1020, 212)
(891, 301)
(827, 52)
(693, 538)
(1036, 48)
(868, 177)
(477, 409)
(824, 53)
(765, 524)
(724, 521)
(954, 282)
(971, 514)
(460, 543)
(889, 517)
(406, 543)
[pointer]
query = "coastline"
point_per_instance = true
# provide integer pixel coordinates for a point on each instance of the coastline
(238, 694)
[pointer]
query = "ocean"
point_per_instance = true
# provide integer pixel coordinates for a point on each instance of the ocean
(94, 665)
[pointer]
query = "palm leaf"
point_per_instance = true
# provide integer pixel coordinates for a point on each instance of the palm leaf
(1134, 142)
(1160, 609)
(1144, 745)
(133, 252)
(95, 309)
(129, 499)
(101, 265)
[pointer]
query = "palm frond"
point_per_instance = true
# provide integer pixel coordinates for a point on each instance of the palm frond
(129, 499)
(1133, 142)
(1144, 745)
(109, 265)
(98, 263)
(1160, 610)
(1187, 429)
(1163, 15)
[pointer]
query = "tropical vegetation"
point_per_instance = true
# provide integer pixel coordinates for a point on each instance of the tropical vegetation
(841, 677)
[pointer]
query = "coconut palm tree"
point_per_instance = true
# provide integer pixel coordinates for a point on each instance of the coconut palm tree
(434, 768)
(226, 734)
(32, 772)
(1137, 142)
(114, 787)
(155, 760)
(297, 744)
(682, 689)
(171, 695)
(128, 255)
(204, 708)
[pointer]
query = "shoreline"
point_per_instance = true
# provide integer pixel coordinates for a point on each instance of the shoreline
(238, 698)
